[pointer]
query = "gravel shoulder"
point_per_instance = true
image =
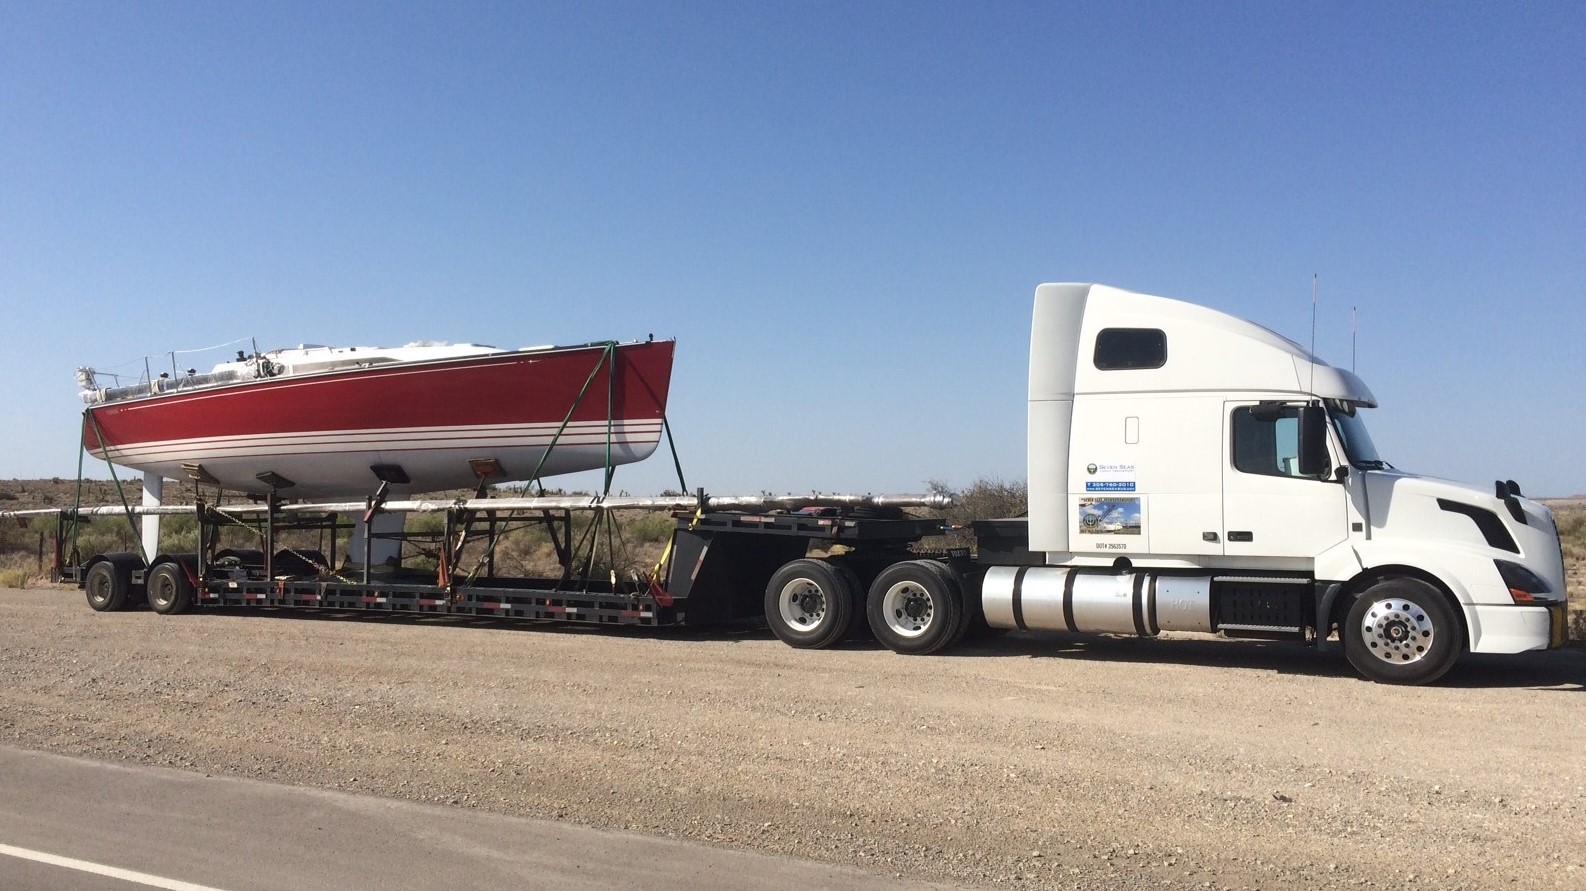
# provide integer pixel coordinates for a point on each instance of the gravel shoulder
(1033, 760)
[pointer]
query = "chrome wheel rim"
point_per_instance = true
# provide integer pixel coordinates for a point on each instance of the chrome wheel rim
(802, 604)
(99, 588)
(164, 590)
(907, 608)
(1397, 631)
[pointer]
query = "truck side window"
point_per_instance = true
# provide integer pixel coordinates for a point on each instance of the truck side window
(1267, 442)
(1124, 348)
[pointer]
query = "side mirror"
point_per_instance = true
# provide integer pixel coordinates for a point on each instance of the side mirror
(1341, 473)
(1267, 412)
(1314, 459)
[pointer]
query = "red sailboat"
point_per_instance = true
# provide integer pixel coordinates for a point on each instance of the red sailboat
(337, 421)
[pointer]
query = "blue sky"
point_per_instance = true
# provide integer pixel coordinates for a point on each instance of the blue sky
(840, 210)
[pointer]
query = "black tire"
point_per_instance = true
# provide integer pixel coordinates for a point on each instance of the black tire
(857, 626)
(107, 587)
(304, 564)
(170, 591)
(980, 632)
(239, 557)
(810, 604)
(966, 610)
(976, 628)
(1402, 631)
(916, 607)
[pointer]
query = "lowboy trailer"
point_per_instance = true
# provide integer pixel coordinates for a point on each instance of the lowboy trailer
(716, 569)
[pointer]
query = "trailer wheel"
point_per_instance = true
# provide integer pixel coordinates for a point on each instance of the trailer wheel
(916, 607)
(106, 587)
(810, 604)
(858, 626)
(299, 563)
(1402, 631)
(238, 557)
(170, 591)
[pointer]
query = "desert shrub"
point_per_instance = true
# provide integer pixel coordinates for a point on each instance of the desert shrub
(650, 527)
(1572, 530)
(104, 535)
(628, 544)
(21, 571)
(15, 538)
(616, 549)
(519, 556)
(987, 498)
(425, 523)
(178, 534)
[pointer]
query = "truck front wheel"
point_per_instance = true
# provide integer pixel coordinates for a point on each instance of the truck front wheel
(810, 604)
(916, 607)
(170, 591)
(1402, 631)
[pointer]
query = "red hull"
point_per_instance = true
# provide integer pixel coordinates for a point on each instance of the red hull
(323, 431)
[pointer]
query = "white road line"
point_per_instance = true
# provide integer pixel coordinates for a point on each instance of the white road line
(113, 872)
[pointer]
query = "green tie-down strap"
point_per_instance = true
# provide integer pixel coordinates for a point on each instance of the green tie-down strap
(137, 534)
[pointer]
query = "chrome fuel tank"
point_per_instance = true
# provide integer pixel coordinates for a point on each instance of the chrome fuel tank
(1051, 598)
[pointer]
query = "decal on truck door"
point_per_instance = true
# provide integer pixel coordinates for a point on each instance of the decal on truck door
(1109, 478)
(1110, 516)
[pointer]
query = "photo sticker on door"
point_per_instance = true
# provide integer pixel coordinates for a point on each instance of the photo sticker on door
(1109, 516)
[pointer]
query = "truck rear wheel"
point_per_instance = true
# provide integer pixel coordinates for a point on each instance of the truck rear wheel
(811, 604)
(170, 591)
(107, 587)
(916, 607)
(1402, 631)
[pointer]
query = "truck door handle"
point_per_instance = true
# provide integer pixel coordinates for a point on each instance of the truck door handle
(1241, 535)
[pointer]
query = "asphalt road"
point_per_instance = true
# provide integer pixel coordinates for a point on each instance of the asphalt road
(153, 827)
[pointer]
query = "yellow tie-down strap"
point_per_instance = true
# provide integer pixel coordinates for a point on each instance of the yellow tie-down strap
(657, 590)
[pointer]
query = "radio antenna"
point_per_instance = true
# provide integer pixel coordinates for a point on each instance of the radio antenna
(1312, 386)
(1354, 334)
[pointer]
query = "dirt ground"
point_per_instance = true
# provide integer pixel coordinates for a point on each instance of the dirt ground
(1032, 761)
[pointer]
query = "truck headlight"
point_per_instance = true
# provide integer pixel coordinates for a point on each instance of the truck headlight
(1524, 585)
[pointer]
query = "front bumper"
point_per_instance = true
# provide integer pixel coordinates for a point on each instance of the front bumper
(1515, 629)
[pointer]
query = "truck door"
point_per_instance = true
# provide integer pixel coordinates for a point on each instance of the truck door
(1269, 508)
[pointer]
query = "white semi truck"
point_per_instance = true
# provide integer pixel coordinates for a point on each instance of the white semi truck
(1188, 471)
(1192, 471)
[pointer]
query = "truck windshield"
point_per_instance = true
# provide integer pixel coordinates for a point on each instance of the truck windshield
(1351, 429)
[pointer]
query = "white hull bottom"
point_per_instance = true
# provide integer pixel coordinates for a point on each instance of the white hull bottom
(347, 474)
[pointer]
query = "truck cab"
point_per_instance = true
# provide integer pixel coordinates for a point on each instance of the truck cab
(1189, 470)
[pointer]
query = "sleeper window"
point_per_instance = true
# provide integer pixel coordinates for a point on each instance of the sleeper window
(1123, 348)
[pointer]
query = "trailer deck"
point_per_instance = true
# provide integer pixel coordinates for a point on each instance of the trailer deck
(720, 552)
